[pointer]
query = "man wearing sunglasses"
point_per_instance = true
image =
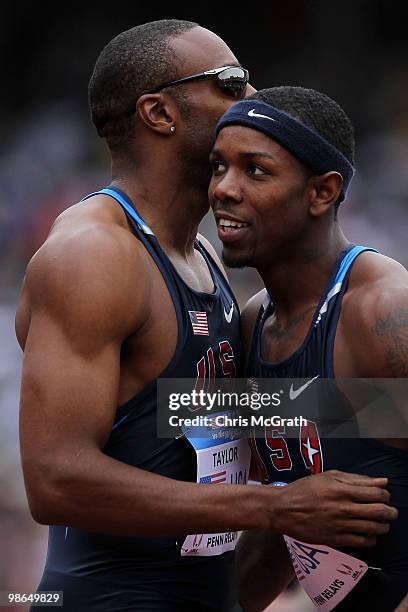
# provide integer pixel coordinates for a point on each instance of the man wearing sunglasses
(121, 294)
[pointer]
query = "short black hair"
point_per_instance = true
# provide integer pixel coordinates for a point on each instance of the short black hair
(134, 62)
(315, 110)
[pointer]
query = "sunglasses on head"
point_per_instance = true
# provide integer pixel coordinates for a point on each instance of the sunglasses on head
(231, 80)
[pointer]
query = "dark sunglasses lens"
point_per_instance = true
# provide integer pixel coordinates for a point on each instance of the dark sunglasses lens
(233, 81)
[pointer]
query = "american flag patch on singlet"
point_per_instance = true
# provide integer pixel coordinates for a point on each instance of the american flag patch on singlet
(199, 323)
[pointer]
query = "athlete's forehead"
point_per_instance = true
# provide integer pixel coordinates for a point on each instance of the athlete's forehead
(199, 49)
(238, 141)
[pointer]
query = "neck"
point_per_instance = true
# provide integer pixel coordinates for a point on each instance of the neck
(296, 283)
(166, 201)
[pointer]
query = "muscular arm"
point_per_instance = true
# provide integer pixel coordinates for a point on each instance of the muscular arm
(82, 307)
(80, 316)
(376, 321)
(376, 328)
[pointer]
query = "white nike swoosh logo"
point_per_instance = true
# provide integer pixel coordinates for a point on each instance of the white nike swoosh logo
(293, 394)
(228, 315)
(252, 113)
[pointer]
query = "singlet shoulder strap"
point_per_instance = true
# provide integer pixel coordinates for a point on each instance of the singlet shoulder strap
(215, 270)
(342, 272)
(118, 195)
(348, 260)
(331, 309)
(143, 232)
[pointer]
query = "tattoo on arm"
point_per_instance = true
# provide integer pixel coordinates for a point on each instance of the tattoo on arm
(393, 332)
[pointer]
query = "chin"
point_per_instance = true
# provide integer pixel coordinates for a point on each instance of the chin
(236, 260)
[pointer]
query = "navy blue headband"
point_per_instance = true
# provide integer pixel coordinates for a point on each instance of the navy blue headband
(313, 150)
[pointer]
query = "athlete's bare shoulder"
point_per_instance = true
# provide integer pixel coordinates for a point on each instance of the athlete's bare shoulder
(100, 209)
(249, 315)
(86, 269)
(374, 317)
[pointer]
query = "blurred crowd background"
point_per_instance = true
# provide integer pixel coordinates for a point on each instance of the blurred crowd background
(355, 51)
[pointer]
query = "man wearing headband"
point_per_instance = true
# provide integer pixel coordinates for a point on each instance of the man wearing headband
(282, 164)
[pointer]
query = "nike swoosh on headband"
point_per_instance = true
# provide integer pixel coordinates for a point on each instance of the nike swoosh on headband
(252, 113)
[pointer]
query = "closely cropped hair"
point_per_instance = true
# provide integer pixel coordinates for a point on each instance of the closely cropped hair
(315, 110)
(134, 62)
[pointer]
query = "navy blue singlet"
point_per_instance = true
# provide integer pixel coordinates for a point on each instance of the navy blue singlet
(102, 572)
(286, 459)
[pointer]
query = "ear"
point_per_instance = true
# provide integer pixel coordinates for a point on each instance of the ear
(158, 112)
(326, 189)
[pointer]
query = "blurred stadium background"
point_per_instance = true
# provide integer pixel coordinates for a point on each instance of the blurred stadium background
(355, 51)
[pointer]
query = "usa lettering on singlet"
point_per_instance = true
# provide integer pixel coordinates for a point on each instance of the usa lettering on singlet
(280, 458)
(102, 572)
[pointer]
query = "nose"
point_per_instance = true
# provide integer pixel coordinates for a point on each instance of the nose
(225, 188)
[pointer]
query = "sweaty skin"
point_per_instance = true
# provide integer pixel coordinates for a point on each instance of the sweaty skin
(258, 183)
(73, 326)
(86, 351)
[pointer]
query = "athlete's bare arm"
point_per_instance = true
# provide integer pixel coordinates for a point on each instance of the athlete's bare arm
(373, 336)
(80, 306)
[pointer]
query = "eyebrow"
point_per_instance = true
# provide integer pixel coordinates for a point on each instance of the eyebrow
(249, 154)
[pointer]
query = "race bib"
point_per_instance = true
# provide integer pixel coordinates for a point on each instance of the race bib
(327, 575)
(222, 458)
